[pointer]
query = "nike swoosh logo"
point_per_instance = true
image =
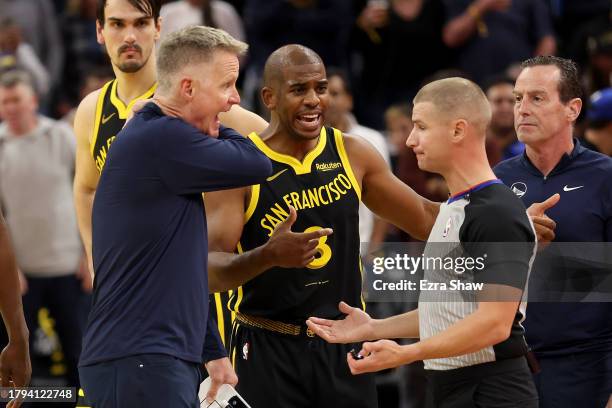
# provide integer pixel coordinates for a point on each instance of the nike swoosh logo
(272, 177)
(107, 118)
(566, 188)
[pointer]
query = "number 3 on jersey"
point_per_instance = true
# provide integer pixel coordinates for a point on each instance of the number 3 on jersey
(324, 251)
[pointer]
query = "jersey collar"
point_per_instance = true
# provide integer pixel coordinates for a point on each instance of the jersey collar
(122, 109)
(473, 189)
(300, 167)
(565, 161)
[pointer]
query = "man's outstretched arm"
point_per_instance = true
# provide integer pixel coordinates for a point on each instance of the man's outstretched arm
(386, 195)
(358, 326)
(488, 325)
(243, 121)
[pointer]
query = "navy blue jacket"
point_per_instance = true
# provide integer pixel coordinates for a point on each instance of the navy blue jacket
(584, 214)
(150, 248)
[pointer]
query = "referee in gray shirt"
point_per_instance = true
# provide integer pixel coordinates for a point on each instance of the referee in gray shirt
(471, 342)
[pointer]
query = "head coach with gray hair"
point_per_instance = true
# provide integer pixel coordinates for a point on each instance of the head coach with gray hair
(148, 330)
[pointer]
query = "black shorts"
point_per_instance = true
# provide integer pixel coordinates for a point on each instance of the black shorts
(499, 384)
(277, 370)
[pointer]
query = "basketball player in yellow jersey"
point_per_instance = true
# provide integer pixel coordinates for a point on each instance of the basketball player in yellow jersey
(322, 174)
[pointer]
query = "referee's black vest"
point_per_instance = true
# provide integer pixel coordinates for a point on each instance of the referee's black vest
(111, 114)
(323, 190)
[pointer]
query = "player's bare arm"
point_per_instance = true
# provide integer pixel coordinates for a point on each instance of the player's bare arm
(243, 121)
(15, 366)
(86, 175)
(228, 270)
(223, 210)
(386, 195)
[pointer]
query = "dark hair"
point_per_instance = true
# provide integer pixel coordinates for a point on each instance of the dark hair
(569, 83)
(340, 73)
(495, 81)
(149, 7)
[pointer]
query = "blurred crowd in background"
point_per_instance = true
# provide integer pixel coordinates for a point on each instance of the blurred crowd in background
(378, 54)
(385, 50)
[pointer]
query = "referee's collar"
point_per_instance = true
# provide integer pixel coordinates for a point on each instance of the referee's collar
(564, 162)
(472, 189)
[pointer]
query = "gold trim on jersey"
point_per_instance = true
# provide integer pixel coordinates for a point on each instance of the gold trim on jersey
(234, 357)
(239, 290)
(220, 321)
(123, 110)
(363, 303)
(99, 105)
(303, 167)
(232, 344)
(232, 313)
(252, 202)
(233, 335)
(345, 161)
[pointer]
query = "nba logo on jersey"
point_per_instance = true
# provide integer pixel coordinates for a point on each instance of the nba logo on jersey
(449, 224)
(245, 351)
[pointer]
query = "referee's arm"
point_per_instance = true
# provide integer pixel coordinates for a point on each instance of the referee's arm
(491, 322)
(508, 247)
(488, 325)
(358, 326)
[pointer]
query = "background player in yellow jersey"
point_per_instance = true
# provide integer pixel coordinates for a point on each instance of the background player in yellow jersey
(128, 29)
(322, 174)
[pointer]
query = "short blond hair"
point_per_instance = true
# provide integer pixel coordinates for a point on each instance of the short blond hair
(192, 45)
(458, 98)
